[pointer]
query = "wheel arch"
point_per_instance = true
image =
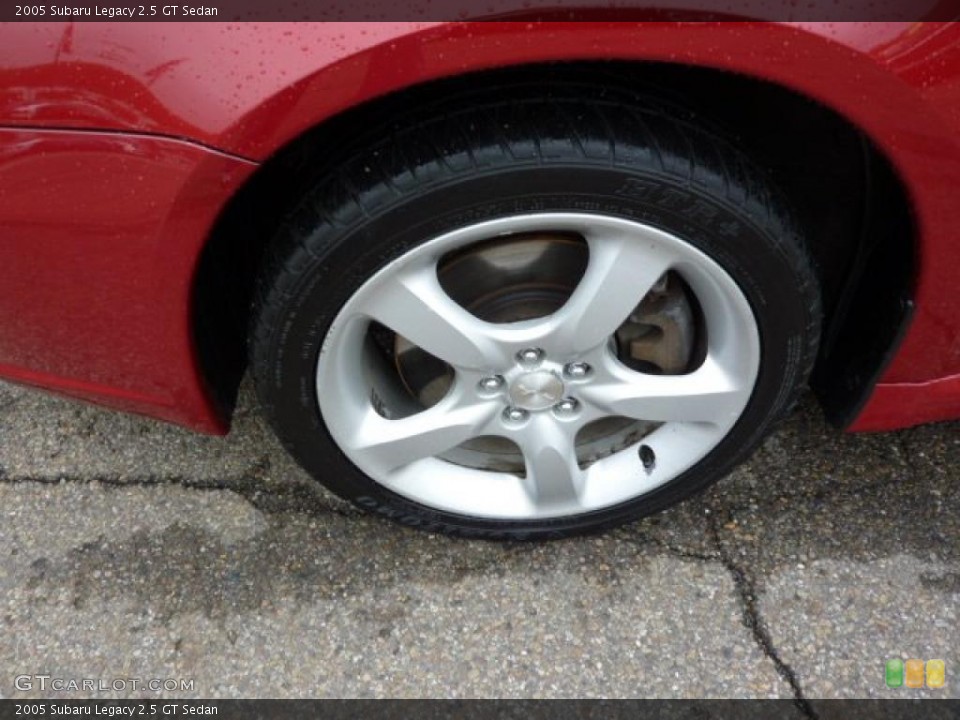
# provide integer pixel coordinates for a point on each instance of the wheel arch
(849, 198)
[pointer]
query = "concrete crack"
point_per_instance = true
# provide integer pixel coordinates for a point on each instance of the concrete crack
(746, 591)
(679, 552)
(287, 498)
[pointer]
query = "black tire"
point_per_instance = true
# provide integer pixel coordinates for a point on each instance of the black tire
(565, 148)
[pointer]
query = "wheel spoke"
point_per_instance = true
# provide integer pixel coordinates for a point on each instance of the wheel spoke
(553, 476)
(413, 304)
(394, 443)
(620, 272)
(709, 394)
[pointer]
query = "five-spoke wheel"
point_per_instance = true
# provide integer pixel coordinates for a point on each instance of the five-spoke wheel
(537, 383)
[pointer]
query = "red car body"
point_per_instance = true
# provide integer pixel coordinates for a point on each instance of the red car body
(122, 143)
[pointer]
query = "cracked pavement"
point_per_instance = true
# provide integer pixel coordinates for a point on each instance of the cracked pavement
(135, 549)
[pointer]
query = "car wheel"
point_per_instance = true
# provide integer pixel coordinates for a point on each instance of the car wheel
(533, 318)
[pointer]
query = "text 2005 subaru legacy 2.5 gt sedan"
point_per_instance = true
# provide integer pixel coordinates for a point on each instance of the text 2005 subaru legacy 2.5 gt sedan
(491, 279)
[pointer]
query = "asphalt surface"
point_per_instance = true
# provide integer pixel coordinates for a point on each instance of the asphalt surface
(135, 549)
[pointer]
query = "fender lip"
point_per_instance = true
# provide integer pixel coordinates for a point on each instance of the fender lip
(898, 405)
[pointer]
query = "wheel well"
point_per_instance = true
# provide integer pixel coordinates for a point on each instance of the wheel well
(851, 205)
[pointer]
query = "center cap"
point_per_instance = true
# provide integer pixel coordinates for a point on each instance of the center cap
(536, 390)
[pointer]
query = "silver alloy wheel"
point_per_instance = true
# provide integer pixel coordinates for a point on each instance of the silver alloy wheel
(515, 380)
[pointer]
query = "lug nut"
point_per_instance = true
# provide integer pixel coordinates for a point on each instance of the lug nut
(514, 414)
(491, 384)
(577, 370)
(567, 406)
(530, 356)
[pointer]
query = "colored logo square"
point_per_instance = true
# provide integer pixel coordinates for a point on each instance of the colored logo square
(936, 674)
(914, 673)
(894, 673)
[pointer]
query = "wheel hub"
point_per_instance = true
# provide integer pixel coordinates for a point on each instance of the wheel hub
(530, 276)
(538, 390)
